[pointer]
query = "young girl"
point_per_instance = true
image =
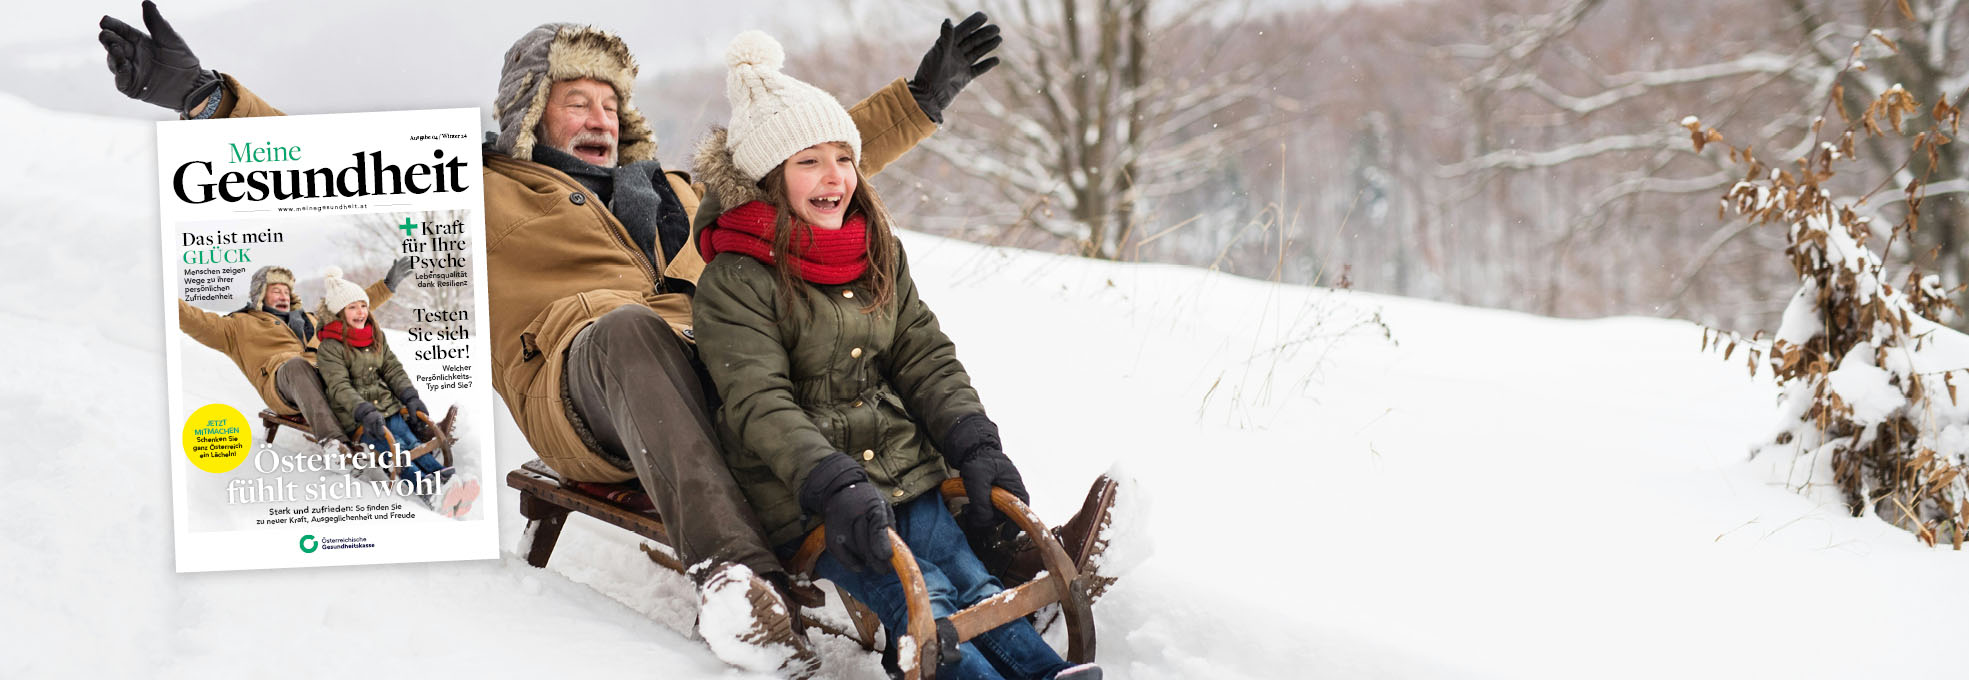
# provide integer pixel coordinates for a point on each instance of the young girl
(843, 403)
(367, 386)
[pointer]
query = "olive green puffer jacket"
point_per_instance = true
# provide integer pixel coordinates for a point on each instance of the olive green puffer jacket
(353, 375)
(883, 387)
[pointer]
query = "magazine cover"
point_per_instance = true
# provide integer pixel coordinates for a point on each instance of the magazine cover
(324, 339)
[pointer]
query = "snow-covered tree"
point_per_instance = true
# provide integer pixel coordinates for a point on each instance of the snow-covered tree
(1550, 95)
(1865, 369)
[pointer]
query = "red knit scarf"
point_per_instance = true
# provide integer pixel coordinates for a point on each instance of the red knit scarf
(830, 257)
(356, 337)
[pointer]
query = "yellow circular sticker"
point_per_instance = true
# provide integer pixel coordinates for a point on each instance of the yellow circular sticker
(217, 438)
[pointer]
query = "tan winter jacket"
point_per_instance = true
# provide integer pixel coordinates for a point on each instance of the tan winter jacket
(257, 342)
(557, 261)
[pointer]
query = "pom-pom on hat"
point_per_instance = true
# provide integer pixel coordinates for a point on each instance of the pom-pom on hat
(775, 115)
(337, 292)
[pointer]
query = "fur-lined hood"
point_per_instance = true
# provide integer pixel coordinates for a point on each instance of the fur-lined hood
(555, 52)
(714, 167)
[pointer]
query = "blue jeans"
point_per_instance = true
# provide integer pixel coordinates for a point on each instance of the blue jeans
(956, 580)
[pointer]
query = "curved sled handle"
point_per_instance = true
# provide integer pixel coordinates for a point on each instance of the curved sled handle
(444, 442)
(1026, 520)
(922, 621)
(922, 627)
(1061, 572)
(396, 454)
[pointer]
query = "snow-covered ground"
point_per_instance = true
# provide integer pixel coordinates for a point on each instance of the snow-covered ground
(1486, 494)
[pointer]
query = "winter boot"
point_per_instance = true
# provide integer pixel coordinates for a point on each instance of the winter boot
(370, 473)
(1081, 537)
(337, 450)
(747, 623)
(802, 592)
(449, 422)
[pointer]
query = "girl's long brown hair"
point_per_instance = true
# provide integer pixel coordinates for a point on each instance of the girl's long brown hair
(879, 279)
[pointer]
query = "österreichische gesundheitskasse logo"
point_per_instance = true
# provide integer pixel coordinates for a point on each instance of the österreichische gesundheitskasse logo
(309, 544)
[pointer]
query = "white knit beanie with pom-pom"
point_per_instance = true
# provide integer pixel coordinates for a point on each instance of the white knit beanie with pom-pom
(775, 115)
(338, 293)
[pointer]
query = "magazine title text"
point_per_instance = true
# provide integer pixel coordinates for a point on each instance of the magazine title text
(196, 182)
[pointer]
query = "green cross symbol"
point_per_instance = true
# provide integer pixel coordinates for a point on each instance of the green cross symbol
(407, 228)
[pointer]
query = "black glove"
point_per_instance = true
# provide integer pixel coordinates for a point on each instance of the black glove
(952, 62)
(985, 469)
(411, 401)
(158, 68)
(972, 448)
(856, 517)
(398, 270)
(371, 420)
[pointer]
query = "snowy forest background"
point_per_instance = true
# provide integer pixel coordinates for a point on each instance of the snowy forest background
(1516, 154)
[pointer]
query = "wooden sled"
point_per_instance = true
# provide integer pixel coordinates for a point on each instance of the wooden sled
(441, 442)
(545, 501)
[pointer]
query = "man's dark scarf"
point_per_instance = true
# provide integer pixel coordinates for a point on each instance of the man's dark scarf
(636, 193)
(296, 319)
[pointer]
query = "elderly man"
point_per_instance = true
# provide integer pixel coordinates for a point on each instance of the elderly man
(272, 341)
(590, 269)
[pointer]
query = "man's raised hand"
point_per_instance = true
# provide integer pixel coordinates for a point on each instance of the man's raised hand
(158, 68)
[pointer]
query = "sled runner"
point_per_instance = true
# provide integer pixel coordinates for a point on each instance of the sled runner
(546, 500)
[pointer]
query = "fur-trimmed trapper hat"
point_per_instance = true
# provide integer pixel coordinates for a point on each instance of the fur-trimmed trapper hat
(266, 276)
(555, 52)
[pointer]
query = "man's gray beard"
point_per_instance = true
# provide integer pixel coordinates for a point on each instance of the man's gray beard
(614, 154)
(569, 150)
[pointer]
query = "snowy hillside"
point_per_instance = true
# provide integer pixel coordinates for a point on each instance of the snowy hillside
(1486, 495)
